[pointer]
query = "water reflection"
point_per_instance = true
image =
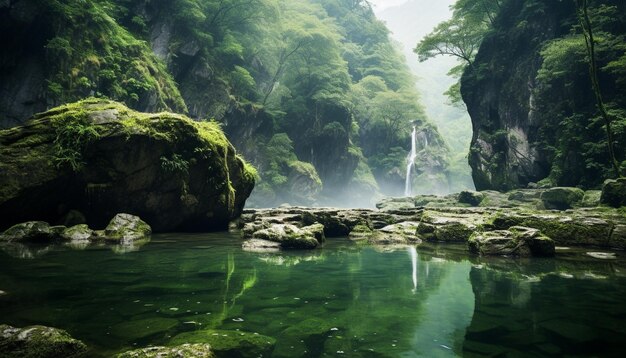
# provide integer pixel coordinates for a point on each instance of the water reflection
(413, 253)
(342, 298)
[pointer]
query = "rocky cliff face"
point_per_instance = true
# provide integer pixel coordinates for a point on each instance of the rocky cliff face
(99, 158)
(529, 126)
(497, 89)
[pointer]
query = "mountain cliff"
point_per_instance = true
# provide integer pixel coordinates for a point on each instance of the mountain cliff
(530, 98)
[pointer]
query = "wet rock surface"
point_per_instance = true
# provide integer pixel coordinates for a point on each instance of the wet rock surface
(455, 218)
(124, 233)
(39, 342)
(198, 350)
(517, 241)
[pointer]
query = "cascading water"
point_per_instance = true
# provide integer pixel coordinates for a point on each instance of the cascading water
(410, 164)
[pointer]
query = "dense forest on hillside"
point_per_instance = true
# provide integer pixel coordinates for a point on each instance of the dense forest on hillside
(314, 93)
(544, 84)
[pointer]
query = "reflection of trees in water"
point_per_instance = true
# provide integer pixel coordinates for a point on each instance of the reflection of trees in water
(546, 307)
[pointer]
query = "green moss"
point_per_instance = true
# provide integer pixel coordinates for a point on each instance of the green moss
(89, 52)
(229, 343)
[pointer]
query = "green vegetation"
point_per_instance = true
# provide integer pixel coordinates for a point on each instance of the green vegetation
(323, 74)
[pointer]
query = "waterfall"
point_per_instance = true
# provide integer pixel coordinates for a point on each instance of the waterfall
(410, 164)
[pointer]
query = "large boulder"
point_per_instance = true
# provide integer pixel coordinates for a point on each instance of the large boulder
(28, 231)
(562, 198)
(565, 229)
(614, 192)
(127, 228)
(517, 241)
(100, 158)
(198, 350)
(38, 342)
(290, 236)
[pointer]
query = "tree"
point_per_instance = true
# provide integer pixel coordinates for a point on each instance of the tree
(459, 37)
(588, 33)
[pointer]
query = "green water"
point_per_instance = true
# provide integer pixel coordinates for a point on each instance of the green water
(435, 301)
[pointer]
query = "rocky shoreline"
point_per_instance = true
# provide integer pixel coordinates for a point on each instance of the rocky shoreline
(529, 222)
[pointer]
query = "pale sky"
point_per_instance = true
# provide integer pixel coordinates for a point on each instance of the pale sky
(380, 5)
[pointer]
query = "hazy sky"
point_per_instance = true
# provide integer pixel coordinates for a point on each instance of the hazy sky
(380, 5)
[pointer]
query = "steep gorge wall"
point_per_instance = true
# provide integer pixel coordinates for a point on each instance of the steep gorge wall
(529, 127)
(498, 91)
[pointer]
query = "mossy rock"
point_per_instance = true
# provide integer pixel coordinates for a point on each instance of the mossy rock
(198, 350)
(470, 197)
(39, 342)
(291, 237)
(360, 232)
(614, 192)
(562, 198)
(100, 156)
(27, 231)
(563, 229)
(236, 344)
(517, 241)
(79, 232)
(591, 198)
(127, 228)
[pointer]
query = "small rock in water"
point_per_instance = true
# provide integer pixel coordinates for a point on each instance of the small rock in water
(602, 255)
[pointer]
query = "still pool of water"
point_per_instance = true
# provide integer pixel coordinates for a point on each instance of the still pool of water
(344, 299)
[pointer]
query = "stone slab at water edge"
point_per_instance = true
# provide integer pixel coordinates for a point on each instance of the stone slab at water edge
(125, 232)
(99, 158)
(494, 222)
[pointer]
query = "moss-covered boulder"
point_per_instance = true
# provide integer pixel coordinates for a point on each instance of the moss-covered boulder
(360, 232)
(517, 241)
(80, 232)
(471, 197)
(38, 342)
(564, 229)
(236, 344)
(291, 237)
(101, 158)
(27, 231)
(562, 198)
(198, 350)
(614, 192)
(126, 228)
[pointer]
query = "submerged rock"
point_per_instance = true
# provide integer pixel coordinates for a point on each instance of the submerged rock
(127, 228)
(517, 241)
(101, 158)
(236, 344)
(38, 342)
(562, 198)
(197, 350)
